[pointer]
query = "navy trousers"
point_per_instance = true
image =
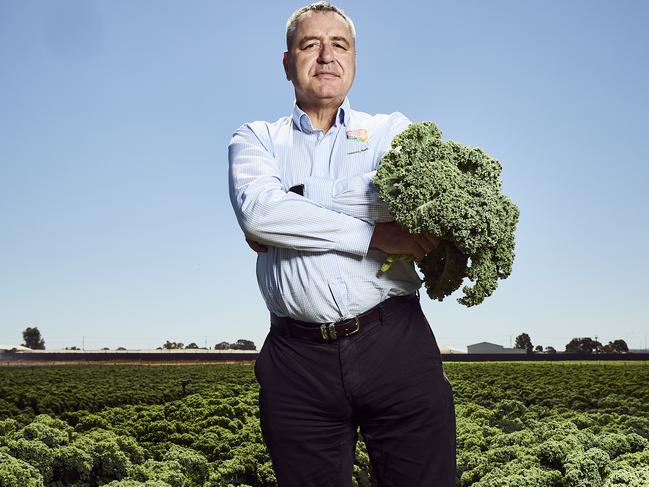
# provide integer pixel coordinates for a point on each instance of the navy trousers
(386, 380)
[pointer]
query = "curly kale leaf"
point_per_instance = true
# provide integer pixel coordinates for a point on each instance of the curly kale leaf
(454, 192)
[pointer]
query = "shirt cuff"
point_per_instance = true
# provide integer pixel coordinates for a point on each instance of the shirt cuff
(356, 237)
(319, 190)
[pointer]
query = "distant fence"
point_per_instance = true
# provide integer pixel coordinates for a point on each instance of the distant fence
(540, 357)
(125, 356)
(18, 358)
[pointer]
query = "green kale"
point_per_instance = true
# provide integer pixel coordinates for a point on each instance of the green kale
(453, 192)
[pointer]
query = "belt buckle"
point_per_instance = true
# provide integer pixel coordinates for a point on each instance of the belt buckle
(355, 330)
(325, 332)
(328, 331)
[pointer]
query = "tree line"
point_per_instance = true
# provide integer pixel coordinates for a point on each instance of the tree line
(240, 344)
(576, 345)
(32, 339)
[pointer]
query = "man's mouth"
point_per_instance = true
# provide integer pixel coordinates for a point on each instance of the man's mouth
(326, 74)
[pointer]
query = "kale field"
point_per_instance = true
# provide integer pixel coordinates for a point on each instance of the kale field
(519, 425)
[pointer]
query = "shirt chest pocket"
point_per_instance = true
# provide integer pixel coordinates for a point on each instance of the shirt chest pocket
(353, 158)
(335, 159)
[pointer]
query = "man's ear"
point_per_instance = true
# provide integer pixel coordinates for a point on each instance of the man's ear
(285, 63)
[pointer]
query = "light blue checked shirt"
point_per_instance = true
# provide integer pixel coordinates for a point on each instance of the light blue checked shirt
(318, 267)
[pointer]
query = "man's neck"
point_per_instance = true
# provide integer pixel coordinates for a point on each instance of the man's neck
(322, 116)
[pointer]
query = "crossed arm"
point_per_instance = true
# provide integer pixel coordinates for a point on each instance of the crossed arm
(344, 215)
(386, 236)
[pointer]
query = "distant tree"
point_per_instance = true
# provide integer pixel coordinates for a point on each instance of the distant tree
(120, 348)
(242, 344)
(173, 345)
(524, 342)
(72, 348)
(550, 350)
(33, 339)
(620, 345)
(192, 345)
(617, 346)
(105, 348)
(538, 348)
(222, 346)
(583, 345)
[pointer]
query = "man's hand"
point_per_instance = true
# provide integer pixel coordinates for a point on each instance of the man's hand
(392, 238)
(256, 246)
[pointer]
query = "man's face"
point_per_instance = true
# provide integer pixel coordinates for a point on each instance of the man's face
(321, 61)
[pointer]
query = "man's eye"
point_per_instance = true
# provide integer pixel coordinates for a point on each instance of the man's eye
(310, 46)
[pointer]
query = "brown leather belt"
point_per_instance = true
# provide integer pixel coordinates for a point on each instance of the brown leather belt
(333, 331)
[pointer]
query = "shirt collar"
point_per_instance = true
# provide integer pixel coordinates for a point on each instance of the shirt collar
(303, 123)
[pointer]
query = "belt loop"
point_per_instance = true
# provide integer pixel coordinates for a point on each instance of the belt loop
(381, 312)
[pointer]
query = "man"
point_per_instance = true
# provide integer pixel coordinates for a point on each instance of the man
(349, 346)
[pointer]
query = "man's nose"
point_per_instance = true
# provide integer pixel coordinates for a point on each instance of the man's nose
(326, 54)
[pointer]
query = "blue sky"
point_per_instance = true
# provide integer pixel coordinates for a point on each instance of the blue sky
(115, 223)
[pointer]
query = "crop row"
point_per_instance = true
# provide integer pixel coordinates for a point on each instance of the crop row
(519, 424)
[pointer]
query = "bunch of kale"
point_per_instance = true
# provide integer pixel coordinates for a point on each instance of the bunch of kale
(453, 192)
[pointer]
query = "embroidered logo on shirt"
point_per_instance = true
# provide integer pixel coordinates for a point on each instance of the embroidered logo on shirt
(359, 135)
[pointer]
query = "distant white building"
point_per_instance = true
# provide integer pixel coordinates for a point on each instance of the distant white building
(486, 347)
(448, 350)
(13, 348)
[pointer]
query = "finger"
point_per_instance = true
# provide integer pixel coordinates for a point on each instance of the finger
(256, 246)
(434, 241)
(418, 247)
(430, 242)
(425, 244)
(260, 248)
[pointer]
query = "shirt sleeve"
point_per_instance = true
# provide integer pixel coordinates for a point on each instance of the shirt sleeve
(268, 214)
(357, 196)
